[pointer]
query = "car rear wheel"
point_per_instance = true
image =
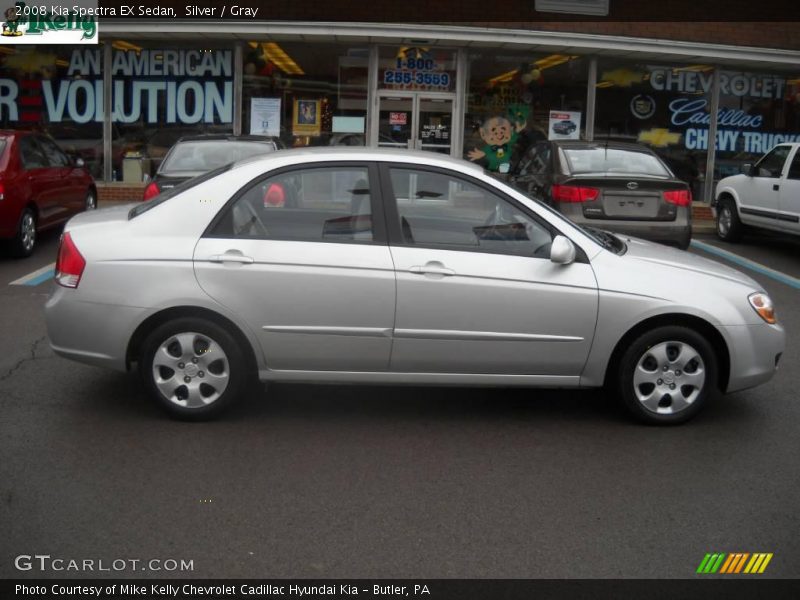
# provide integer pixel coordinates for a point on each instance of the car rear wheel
(667, 375)
(729, 227)
(193, 367)
(25, 240)
(91, 201)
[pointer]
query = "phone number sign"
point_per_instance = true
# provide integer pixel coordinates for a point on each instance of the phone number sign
(417, 74)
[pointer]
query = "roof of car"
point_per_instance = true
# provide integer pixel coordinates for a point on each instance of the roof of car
(602, 144)
(363, 153)
(210, 137)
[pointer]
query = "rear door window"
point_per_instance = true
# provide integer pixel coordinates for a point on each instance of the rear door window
(315, 204)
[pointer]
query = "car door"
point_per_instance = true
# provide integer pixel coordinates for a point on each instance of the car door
(301, 256)
(759, 194)
(476, 291)
(789, 202)
(63, 185)
(37, 180)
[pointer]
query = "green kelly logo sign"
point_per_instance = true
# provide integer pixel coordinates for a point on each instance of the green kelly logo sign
(53, 24)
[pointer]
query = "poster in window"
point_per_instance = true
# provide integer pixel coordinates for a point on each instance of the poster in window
(564, 125)
(265, 116)
(307, 119)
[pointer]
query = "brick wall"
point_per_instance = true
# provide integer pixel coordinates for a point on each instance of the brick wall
(119, 192)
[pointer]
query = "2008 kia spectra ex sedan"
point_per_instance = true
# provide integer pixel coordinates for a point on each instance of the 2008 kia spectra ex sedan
(365, 265)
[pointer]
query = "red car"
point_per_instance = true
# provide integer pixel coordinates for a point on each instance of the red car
(40, 187)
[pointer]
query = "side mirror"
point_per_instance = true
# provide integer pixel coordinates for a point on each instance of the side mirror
(747, 169)
(562, 251)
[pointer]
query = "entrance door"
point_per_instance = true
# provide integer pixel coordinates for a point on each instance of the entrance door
(415, 120)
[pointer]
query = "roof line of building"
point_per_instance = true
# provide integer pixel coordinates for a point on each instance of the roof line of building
(462, 35)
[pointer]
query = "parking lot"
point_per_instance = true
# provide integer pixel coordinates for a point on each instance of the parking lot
(319, 481)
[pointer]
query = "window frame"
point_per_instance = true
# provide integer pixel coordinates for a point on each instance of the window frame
(793, 172)
(392, 214)
(379, 235)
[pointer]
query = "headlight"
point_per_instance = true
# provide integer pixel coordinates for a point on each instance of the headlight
(762, 304)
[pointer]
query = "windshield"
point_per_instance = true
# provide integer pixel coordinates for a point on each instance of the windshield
(174, 191)
(199, 156)
(613, 161)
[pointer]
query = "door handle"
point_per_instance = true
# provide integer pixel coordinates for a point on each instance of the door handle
(432, 268)
(776, 187)
(231, 257)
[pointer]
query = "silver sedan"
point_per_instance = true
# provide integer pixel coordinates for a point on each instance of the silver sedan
(395, 267)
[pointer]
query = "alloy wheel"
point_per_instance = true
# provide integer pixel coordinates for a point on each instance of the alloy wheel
(28, 231)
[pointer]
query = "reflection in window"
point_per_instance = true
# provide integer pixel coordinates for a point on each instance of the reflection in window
(441, 211)
(312, 205)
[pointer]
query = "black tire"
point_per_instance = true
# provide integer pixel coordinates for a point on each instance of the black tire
(24, 241)
(729, 227)
(91, 201)
(203, 378)
(685, 399)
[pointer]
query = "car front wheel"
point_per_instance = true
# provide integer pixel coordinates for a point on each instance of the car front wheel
(729, 227)
(667, 375)
(193, 367)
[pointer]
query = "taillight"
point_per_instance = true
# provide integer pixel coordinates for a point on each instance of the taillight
(2, 192)
(678, 197)
(70, 263)
(151, 191)
(574, 193)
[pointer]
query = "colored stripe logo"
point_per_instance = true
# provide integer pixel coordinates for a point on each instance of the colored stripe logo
(734, 563)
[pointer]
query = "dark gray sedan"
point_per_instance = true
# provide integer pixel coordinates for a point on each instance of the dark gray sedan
(615, 186)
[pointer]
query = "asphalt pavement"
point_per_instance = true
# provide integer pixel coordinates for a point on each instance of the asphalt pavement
(359, 481)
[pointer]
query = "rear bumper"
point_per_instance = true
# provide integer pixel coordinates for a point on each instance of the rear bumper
(677, 232)
(88, 332)
(754, 350)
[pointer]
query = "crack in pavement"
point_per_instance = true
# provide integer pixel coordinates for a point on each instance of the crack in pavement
(25, 359)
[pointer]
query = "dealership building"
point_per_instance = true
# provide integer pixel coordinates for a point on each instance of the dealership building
(121, 103)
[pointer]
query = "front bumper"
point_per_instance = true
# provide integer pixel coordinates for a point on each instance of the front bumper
(754, 352)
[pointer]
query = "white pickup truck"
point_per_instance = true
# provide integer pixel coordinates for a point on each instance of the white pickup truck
(766, 195)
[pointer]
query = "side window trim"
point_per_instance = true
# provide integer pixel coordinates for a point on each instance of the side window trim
(793, 172)
(379, 235)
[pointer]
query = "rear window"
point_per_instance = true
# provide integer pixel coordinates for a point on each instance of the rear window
(205, 155)
(613, 160)
(181, 187)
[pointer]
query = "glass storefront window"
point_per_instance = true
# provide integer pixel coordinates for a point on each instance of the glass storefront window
(160, 94)
(756, 112)
(517, 99)
(665, 107)
(305, 94)
(56, 90)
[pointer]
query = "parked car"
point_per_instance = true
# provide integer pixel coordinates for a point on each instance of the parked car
(40, 187)
(564, 127)
(765, 196)
(395, 267)
(196, 154)
(615, 186)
